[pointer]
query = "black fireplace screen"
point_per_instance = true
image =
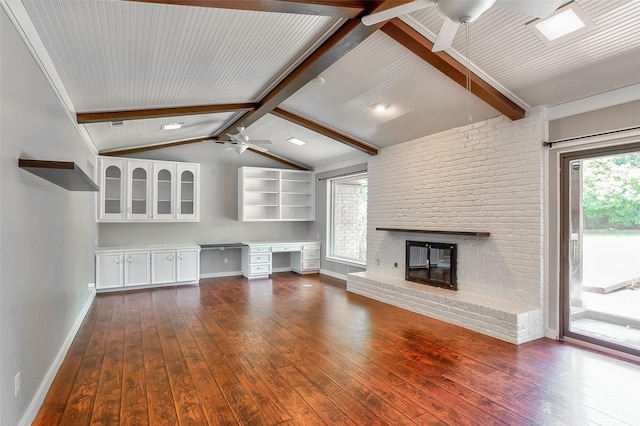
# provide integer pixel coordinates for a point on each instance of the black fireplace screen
(431, 263)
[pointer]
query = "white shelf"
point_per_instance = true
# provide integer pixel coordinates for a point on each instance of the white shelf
(266, 194)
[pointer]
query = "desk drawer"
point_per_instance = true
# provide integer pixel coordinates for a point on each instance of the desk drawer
(257, 269)
(259, 249)
(311, 255)
(259, 258)
(311, 246)
(311, 265)
(285, 247)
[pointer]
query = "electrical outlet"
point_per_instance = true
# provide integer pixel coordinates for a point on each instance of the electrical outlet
(226, 260)
(16, 387)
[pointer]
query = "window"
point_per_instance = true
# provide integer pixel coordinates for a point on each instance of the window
(348, 219)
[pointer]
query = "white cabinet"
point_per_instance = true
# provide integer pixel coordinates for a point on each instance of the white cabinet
(257, 257)
(266, 194)
(307, 260)
(138, 190)
(187, 191)
(164, 203)
(137, 268)
(256, 261)
(144, 190)
(188, 265)
(134, 267)
(112, 189)
(163, 266)
(109, 270)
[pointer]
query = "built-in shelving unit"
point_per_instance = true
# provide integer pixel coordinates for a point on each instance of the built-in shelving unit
(65, 174)
(266, 194)
(427, 231)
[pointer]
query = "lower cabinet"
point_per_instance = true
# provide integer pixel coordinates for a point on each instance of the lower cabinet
(306, 261)
(121, 268)
(256, 261)
(256, 257)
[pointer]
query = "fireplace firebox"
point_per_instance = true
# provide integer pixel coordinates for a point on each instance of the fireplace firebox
(432, 264)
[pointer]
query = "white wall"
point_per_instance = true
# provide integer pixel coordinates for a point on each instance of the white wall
(485, 177)
(47, 233)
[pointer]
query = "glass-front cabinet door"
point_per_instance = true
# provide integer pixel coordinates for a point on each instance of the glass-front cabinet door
(138, 190)
(112, 189)
(188, 191)
(164, 191)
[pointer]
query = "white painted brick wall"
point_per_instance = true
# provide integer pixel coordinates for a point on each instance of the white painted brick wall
(484, 177)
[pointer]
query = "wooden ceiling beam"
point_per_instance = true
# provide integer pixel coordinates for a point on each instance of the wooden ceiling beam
(337, 8)
(318, 128)
(139, 114)
(129, 151)
(420, 46)
(347, 37)
(279, 159)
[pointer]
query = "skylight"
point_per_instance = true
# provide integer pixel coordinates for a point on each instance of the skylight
(569, 20)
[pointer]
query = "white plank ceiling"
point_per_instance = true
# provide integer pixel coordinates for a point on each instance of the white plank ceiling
(121, 55)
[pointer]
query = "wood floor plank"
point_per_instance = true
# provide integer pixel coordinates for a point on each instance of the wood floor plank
(300, 350)
(134, 409)
(106, 409)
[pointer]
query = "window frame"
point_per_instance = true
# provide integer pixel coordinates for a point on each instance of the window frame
(330, 231)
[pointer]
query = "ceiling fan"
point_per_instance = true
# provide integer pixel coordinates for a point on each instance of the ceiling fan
(456, 12)
(240, 142)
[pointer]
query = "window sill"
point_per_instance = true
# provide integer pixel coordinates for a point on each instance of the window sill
(347, 262)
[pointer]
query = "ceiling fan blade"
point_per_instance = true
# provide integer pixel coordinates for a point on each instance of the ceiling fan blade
(445, 36)
(257, 147)
(535, 8)
(234, 138)
(393, 12)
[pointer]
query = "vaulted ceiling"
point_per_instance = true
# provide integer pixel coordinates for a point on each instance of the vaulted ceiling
(311, 70)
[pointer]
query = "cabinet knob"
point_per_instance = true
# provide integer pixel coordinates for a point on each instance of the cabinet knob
(180, 257)
(117, 260)
(170, 258)
(129, 259)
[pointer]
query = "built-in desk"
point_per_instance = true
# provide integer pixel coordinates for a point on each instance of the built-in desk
(256, 257)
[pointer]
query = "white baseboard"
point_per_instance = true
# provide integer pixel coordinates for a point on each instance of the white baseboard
(286, 269)
(342, 277)
(221, 274)
(38, 399)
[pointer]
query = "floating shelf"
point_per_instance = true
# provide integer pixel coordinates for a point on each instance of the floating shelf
(65, 174)
(425, 231)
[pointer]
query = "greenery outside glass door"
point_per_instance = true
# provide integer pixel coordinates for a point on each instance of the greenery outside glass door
(601, 248)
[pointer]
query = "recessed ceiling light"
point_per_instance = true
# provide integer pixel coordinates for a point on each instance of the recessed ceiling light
(569, 20)
(381, 108)
(172, 126)
(296, 141)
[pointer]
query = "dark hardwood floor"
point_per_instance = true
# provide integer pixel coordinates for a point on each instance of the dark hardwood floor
(301, 350)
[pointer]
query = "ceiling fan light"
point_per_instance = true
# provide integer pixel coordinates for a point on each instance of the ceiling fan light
(240, 148)
(463, 11)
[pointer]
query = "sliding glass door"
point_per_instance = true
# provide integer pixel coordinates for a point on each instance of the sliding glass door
(601, 247)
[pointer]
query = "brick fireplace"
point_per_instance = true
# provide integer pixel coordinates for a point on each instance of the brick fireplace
(487, 176)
